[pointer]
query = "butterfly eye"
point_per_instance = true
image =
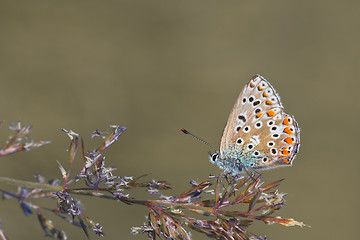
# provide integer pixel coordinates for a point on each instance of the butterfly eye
(250, 146)
(214, 157)
(246, 129)
(273, 151)
(258, 125)
(239, 141)
(270, 144)
(265, 159)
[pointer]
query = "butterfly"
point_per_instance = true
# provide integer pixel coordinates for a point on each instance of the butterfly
(258, 134)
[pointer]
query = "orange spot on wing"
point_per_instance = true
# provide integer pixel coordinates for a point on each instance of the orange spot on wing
(288, 131)
(286, 121)
(252, 84)
(265, 94)
(285, 151)
(259, 115)
(260, 88)
(271, 113)
(268, 102)
(289, 140)
(286, 160)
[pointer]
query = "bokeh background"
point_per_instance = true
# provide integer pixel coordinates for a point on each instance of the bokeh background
(158, 66)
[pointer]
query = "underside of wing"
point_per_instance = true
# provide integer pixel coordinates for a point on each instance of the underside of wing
(258, 133)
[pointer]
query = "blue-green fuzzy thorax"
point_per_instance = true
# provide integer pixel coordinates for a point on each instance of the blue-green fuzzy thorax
(234, 160)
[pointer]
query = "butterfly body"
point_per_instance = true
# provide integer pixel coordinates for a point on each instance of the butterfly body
(258, 134)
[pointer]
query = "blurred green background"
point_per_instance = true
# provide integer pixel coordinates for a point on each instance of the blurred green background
(157, 66)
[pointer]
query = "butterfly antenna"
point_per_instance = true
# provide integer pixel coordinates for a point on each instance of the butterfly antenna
(188, 133)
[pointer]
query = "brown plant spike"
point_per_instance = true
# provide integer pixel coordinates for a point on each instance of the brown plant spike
(169, 216)
(211, 207)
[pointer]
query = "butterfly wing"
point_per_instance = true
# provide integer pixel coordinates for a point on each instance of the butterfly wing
(258, 133)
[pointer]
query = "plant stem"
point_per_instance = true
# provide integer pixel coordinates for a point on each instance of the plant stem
(30, 184)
